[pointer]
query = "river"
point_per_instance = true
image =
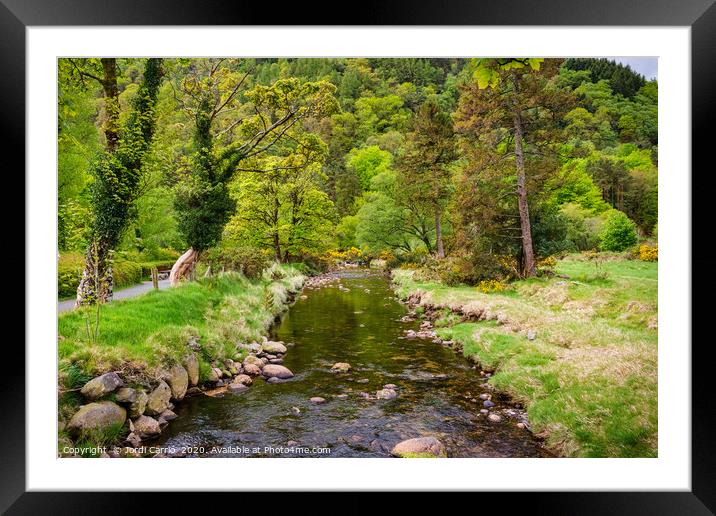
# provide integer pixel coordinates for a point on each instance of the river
(354, 319)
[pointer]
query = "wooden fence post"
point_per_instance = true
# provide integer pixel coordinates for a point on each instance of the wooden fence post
(155, 278)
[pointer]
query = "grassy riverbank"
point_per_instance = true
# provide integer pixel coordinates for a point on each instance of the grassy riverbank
(579, 351)
(140, 334)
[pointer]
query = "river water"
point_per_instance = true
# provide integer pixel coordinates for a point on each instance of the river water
(354, 319)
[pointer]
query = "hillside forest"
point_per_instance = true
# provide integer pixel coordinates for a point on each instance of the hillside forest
(475, 169)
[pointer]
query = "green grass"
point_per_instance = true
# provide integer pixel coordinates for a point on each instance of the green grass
(140, 333)
(589, 378)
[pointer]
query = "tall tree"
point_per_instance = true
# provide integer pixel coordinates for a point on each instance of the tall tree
(512, 104)
(117, 175)
(424, 177)
(212, 93)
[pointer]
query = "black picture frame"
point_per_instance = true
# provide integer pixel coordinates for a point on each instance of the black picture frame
(700, 15)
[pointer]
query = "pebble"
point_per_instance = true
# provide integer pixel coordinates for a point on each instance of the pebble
(494, 418)
(317, 400)
(488, 403)
(295, 410)
(484, 396)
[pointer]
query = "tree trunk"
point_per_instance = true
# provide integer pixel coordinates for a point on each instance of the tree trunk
(96, 284)
(527, 250)
(440, 252)
(183, 267)
(111, 102)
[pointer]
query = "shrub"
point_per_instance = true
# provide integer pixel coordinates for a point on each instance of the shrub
(583, 227)
(489, 286)
(648, 253)
(71, 265)
(250, 261)
(619, 232)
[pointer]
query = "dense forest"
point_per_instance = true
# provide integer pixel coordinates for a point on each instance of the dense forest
(476, 168)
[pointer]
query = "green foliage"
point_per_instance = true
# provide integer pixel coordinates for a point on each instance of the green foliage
(367, 163)
(619, 232)
(249, 261)
(71, 265)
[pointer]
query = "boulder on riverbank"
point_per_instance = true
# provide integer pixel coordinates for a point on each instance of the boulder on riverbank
(386, 394)
(191, 363)
(158, 399)
(101, 386)
(252, 369)
(145, 427)
(243, 379)
(135, 399)
(273, 348)
(277, 371)
(419, 447)
(341, 367)
(97, 416)
(178, 380)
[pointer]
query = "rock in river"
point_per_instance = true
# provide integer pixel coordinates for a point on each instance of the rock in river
(341, 367)
(237, 387)
(251, 359)
(97, 416)
(277, 371)
(146, 427)
(158, 399)
(243, 378)
(317, 400)
(273, 348)
(101, 386)
(419, 446)
(252, 369)
(386, 394)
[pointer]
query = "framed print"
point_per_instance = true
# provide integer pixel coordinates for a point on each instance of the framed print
(309, 252)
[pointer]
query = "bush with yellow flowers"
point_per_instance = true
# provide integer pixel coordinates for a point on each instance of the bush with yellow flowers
(649, 253)
(491, 285)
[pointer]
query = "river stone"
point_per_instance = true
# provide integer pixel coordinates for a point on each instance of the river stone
(158, 399)
(272, 347)
(231, 366)
(276, 361)
(97, 416)
(251, 359)
(484, 396)
(390, 386)
(237, 387)
(274, 379)
(146, 427)
(423, 446)
(277, 371)
(317, 400)
(168, 415)
(192, 368)
(134, 440)
(341, 367)
(488, 403)
(101, 386)
(244, 379)
(386, 394)
(178, 380)
(494, 418)
(218, 372)
(212, 376)
(135, 399)
(252, 369)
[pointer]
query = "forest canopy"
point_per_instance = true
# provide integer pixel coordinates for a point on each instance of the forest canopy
(487, 166)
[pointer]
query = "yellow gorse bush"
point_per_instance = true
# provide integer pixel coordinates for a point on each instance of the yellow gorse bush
(488, 286)
(648, 253)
